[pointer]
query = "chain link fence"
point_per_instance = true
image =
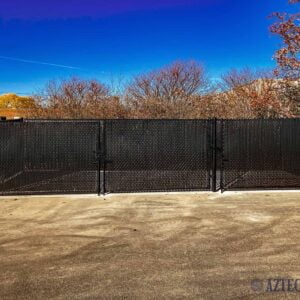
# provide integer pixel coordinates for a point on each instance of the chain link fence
(115, 156)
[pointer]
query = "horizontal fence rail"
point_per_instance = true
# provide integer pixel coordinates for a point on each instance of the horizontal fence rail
(115, 156)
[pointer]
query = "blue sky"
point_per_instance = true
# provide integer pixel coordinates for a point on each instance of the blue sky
(44, 40)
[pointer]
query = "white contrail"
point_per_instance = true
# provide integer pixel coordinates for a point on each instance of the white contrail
(38, 62)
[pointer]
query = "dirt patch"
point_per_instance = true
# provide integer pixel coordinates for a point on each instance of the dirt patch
(181, 246)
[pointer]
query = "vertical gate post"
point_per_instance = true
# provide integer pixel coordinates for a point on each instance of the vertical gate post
(101, 157)
(222, 156)
(98, 151)
(214, 155)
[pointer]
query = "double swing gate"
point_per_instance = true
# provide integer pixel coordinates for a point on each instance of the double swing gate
(114, 156)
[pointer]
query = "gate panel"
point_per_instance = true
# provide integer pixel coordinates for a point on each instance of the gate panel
(157, 155)
(11, 150)
(261, 154)
(57, 157)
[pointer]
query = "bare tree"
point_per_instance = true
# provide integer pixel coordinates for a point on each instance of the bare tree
(251, 94)
(235, 78)
(176, 91)
(166, 93)
(77, 98)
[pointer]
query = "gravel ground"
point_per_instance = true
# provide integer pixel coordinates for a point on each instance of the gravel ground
(155, 246)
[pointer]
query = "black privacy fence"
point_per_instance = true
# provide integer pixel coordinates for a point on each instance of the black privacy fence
(114, 156)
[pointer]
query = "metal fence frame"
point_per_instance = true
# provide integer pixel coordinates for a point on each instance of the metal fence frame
(208, 155)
